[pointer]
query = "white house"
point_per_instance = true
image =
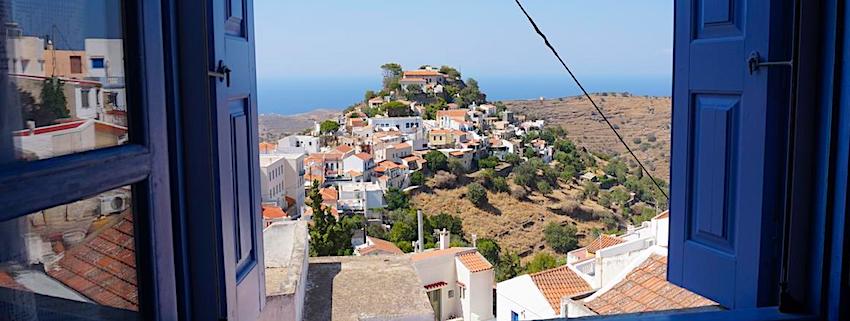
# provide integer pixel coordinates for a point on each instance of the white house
(106, 65)
(538, 296)
(271, 178)
(405, 125)
(299, 144)
(360, 197)
(66, 138)
(458, 281)
(393, 153)
(25, 54)
(282, 181)
(360, 164)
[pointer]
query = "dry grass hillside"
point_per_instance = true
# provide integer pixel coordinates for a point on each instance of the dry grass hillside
(517, 225)
(638, 119)
(274, 126)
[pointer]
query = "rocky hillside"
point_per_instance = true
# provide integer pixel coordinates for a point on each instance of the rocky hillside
(275, 126)
(643, 121)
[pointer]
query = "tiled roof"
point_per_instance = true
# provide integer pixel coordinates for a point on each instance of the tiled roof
(344, 148)
(435, 253)
(103, 267)
(379, 245)
(273, 212)
(646, 289)
(402, 146)
(664, 214)
(6, 281)
(267, 147)
(329, 194)
(422, 72)
(603, 241)
(452, 113)
(411, 80)
(474, 261)
(435, 285)
(558, 283)
(364, 156)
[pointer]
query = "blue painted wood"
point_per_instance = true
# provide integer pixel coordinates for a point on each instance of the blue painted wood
(726, 154)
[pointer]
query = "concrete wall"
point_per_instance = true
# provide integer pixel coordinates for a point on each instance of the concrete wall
(112, 51)
(522, 296)
(480, 295)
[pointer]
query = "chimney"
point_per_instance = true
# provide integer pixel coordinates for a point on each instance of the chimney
(420, 241)
(444, 239)
(474, 240)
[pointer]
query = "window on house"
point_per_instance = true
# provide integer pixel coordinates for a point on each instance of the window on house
(451, 294)
(84, 98)
(514, 316)
(98, 63)
(76, 64)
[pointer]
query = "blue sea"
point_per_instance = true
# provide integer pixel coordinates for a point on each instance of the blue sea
(289, 96)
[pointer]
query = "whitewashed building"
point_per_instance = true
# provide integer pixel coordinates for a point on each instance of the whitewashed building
(299, 144)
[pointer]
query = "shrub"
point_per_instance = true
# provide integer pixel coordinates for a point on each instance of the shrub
(569, 206)
(518, 192)
(541, 261)
(437, 161)
(499, 184)
(476, 193)
(456, 167)
(651, 137)
(544, 187)
(637, 140)
(417, 178)
(489, 162)
(560, 238)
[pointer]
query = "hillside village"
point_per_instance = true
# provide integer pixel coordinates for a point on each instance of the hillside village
(427, 166)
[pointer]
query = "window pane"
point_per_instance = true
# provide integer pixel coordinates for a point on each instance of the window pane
(82, 251)
(62, 69)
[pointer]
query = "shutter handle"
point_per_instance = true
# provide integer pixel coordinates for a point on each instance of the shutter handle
(754, 62)
(222, 72)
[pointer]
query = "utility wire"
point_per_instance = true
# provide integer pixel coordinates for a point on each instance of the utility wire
(555, 52)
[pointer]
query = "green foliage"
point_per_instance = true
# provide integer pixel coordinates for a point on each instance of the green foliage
(396, 199)
(589, 190)
(529, 152)
(642, 214)
(476, 193)
(512, 159)
(617, 169)
(431, 109)
(562, 239)
(404, 227)
(392, 73)
(412, 90)
(490, 249)
(369, 95)
(540, 262)
(489, 162)
(499, 184)
(377, 230)
(417, 178)
(500, 106)
(568, 172)
(604, 199)
(470, 94)
(396, 109)
(328, 126)
(52, 105)
(509, 266)
(456, 167)
(620, 195)
(450, 72)
(525, 174)
(30, 110)
(544, 187)
(329, 237)
(453, 224)
(436, 161)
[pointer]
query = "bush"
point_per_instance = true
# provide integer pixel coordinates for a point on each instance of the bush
(512, 159)
(396, 199)
(637, 140)
(476, 193)
(489, 162)
(560, 238)
(568, 206)
(417, 178)
(444, 179)
(540, 262)
(544, 187)
(437, 161)
(490, 249)
(499, 185)
(456, 167)
(589, 190)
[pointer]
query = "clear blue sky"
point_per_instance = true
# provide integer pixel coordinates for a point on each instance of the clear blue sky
(336, 38)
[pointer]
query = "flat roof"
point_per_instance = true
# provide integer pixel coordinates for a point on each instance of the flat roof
(353, 288)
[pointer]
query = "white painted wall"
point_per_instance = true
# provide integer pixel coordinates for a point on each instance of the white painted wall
(522, 296)
(112, 51)
(299, 144)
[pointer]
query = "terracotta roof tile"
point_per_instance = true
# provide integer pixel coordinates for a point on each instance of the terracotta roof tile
(435, 285)
(364, 156)
(453, 251)
(344, 148)
(7, 281)
(379, 245)
(273, 212)
(558, 283)
(422, 72)
(103, 266)
(474, 261)
(646, 289)
(329, 194)
(603, 241)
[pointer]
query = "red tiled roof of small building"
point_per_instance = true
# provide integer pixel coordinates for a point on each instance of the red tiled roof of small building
(364, 156)
(422, 72)
(474, 261)
(558, 283)
(603, 241)
(273, 212)
(344, 148)
(646, 289)
(379, 245)
(329, 194)
(434, 253)
(103, 266)
(267, 147)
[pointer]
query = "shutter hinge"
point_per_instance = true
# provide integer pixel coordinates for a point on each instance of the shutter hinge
(754, 62)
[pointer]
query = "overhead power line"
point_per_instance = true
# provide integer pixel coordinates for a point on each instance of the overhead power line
(619, 137)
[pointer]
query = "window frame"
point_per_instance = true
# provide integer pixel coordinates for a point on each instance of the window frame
(27, 187)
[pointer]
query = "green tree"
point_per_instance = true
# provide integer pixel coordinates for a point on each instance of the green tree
(540, 262)
(377, 230)
(450, 72)
(431, 109)
(490, 249)
(392, 73)
(396, 109)
(560, 238)
(488, 162)
(499, 184)
(476, 193)
(512, 159)
(525, 174)
(328, 236)
(53, 102)
(396, 199)
(617, 169)
(620, 195)
(369, 95)
(328, 126)
(456, 167)
(417, 178)
(509, 266)
(453, 224)
(436, 161)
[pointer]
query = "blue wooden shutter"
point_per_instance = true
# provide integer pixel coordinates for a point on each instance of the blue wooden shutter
(727, 157)
(238, 145)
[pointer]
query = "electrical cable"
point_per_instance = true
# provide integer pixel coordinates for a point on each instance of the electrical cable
(555, 52)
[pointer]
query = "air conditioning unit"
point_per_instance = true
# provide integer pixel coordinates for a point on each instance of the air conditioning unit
(114, 202)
